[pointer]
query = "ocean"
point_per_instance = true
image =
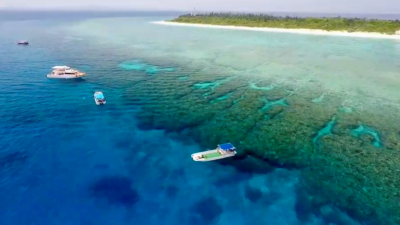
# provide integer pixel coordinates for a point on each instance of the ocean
(315, 120)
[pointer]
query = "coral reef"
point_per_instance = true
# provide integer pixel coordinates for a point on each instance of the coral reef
(348, 155)
(141, 66)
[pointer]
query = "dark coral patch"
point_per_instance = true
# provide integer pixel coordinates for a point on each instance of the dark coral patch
(116, 190)
(171, 191)
(208, 209)
(253, 194)
(233, 179)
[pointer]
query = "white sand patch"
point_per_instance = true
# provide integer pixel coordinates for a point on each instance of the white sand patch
(284, 30)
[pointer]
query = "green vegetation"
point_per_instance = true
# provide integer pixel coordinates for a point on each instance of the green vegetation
(329, 24)
(336, 166)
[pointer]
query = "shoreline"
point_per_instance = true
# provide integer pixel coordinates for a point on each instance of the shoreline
(284, 30)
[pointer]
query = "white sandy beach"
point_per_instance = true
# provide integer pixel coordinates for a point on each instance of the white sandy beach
(283, 30)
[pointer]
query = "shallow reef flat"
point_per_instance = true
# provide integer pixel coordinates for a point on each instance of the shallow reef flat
(326, 106)
(348, 158)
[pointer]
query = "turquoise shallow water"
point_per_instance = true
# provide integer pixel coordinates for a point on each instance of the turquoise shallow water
(64, 160)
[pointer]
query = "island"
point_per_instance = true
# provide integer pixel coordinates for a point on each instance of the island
(338, 25)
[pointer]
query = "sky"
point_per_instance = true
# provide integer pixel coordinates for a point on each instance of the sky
(323, 6)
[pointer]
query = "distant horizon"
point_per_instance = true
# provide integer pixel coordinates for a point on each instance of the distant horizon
(374, 7)
(108, 9)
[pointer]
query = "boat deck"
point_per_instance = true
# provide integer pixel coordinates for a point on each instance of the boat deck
(212, 155)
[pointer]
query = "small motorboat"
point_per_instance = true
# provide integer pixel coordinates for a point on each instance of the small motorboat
(99, 98)
(23, 43)
(221, 152)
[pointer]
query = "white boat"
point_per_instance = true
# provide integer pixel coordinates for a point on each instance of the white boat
(221, 152)
(99, 98)
(65, 72)
(22, 43)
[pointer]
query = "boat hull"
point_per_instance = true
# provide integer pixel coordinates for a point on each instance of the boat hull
(63, 76)
(210, 155)
(99, 103)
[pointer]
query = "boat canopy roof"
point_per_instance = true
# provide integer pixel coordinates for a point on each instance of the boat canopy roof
(60, 67)
(226, 146)
(99, 95)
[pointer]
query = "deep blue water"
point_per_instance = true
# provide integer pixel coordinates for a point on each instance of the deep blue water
(65, 160)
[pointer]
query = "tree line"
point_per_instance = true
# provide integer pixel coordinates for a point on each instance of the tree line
(290, 22)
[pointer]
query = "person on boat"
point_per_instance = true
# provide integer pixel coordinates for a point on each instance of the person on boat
(222, 152)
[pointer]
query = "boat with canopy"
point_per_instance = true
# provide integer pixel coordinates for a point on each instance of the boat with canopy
(99, 98)
(222, 151)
